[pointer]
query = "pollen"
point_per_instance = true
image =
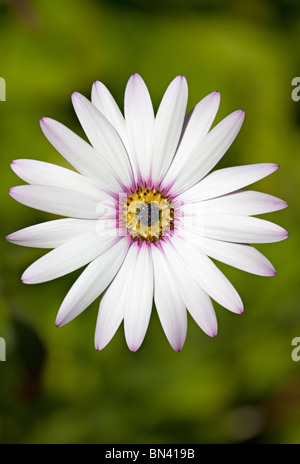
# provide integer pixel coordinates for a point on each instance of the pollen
(146, 214)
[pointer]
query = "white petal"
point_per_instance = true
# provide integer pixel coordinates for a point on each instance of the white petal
(51, 234)
(195, 299)
(208, 276)
(247, 203)
(170, 307)
(104, 102)
(139, 298)
(234, 228)
(167, 127)
(227, 180)
(241, 256)
(92, 282)
(112, 305)
(80, 154)
(57, 201)
(41, 173)
(209, 151)
(67, 258)
(103, 137)
(139, 117)
(196, 126)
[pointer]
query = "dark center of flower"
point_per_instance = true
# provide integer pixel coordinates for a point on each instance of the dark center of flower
(146, 214)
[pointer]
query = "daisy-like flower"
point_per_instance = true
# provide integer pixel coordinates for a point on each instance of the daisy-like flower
(144, 212)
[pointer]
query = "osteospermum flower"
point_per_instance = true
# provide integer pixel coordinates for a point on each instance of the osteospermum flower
(145, 214)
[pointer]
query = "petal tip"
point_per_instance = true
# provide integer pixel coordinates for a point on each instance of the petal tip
(216, 95)
(24, 279)
(96, 343)
(61, 320)
(133, 349)
(269, 270)
(281, 204)
(213, 333)
(134, 79)
(75, 96)
(14, 166)
(45, 122)
(12, 192)
(180, 79)
(177, 347)
(177, 350)
(100, 346)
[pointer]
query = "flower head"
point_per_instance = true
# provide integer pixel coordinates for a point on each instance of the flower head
(144, 213)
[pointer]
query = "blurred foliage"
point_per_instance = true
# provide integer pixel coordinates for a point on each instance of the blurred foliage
(240, 387)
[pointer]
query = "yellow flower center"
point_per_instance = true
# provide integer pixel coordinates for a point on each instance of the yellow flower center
(146, 214)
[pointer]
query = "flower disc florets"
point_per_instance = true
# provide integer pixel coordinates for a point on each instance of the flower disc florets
(147, 214)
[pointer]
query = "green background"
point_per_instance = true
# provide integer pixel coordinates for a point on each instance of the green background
(241, 386)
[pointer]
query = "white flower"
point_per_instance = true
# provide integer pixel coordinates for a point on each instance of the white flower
(144, 212)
